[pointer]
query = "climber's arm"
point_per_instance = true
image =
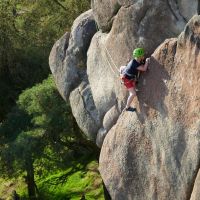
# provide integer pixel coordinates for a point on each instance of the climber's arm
(144, 67)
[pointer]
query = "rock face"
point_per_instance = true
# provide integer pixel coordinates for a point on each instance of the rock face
(144, 23)
(92, 81)
(68, 56)
(196, 193)
(154, 152)
(68, 65)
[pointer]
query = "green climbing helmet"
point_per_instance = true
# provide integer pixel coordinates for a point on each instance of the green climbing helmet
(137, 53)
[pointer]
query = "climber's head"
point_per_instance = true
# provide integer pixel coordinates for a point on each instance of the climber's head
(138, 53)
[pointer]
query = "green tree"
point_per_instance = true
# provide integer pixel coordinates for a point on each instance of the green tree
(41, 125)
(28, 30)
(7, 28)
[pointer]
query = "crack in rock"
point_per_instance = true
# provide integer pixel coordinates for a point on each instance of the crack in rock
(173, 6)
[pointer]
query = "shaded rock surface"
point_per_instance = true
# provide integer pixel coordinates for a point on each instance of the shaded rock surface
(154, 152)
(84, 110)
(68, 56)
(196, 192)
(68, 65)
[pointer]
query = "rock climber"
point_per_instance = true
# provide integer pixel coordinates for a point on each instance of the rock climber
(130, 72)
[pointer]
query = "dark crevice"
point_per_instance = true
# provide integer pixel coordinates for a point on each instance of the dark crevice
(110, 21)
(86, 107)
(66, 44)
(117, 7)
(191, 36)
(193, 183)
(171, 9)
(106, 193)
(198, 8)
(127, 6)
(174, 49)
(170, 4)
(141, 20)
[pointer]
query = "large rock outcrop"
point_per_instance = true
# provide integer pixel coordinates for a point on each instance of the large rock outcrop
(68, 56)
(178, 11)
(94, 88)
(68, 65)
(154, 153)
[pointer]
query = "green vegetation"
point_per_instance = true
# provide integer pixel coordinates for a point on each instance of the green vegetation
(72, 183)
(83, 181)
(28, 30)
(43, 153)
(40, 136)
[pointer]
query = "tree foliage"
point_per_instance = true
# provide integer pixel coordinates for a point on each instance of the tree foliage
(38, 131)
(40, 128)
(28, 30)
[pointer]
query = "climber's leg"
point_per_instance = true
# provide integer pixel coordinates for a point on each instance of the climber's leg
(132, 94)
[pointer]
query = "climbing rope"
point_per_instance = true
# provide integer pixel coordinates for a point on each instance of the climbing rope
(114, 72)
(111, 58)
(106, 50)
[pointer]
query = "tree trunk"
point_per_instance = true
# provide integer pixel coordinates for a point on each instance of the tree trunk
(30, 179)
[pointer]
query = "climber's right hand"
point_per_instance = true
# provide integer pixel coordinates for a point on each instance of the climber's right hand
(148, 60)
